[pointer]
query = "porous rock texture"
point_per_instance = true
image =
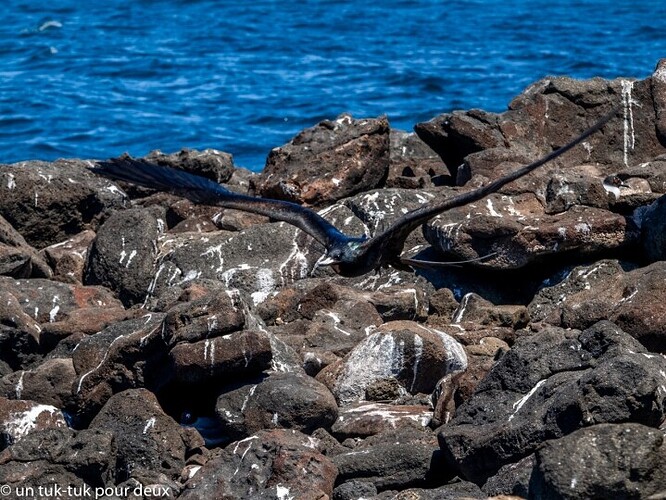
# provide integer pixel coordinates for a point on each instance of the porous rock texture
(199, 352)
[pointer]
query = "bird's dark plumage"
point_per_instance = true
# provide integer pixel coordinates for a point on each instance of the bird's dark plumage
(349, 256)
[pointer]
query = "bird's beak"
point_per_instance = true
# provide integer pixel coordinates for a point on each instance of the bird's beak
(326, 261)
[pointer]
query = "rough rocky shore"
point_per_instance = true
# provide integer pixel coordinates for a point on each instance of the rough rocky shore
(152, 348)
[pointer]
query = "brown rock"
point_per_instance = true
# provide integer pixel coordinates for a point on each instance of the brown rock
(18, 418)
(356, 151)
(226, 357)
(68, 258)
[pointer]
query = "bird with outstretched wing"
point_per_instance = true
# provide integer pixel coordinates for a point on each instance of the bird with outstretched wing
(347, 255)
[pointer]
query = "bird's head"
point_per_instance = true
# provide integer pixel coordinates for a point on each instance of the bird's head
(347, 251)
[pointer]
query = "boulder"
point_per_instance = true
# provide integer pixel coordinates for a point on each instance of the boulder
(416, 356)
(282, 400)
(603, 461)
(548, 385)
(274, 463)
(127, 355)
(397, 459)
(76, 462)
(356, 153)
(18, 418)
(148, 441)
(68, 258)
(607, 289)
(367, 419)
(223, 358)
(122, 256)
(50, 202)
(17, 258)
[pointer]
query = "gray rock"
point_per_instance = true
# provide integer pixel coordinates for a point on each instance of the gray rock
(453, 491)
(652, 230)
(353, 490)
(148, 440)
(256, 261)
(49, 383)
(396, 460)
(17, 258)
(211, 163)
(512, 479)
(19, 333)
(357, 152)
(49, 202)
(603, 461)
(214, 314)
(123, 255)
(283, 400)
(547, 386)
(270, 464)
(513, 234)
(632, 298)
(60, 457)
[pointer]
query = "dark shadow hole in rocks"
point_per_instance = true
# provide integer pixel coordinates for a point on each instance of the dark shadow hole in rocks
(491, 284)
(89, 208)
(438, 471)
(193, 405)
(569, 419)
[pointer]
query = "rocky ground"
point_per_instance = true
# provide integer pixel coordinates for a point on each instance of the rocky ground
(151, 348)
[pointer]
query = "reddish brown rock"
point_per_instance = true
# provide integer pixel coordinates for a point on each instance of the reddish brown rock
(227, 357)
(19, 417)
(414, 355)
(68, 258)
(356, 153)
(367, 419)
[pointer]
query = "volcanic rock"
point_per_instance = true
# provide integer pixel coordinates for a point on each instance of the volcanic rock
(282, 400)
(49, 383)
(414, 355)
(18, 418)
(392, 460)
(149, 442)
(367, 419)
(17, 258)
(127, 355)
(355, 152)
(63, 457)
(603, 461)
(122, 257)
(228, 357)
(68, 258)
(49, 202)
(269, 464)
(548, 385)
(609, 290)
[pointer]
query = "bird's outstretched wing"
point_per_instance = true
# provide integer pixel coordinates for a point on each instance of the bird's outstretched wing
(205, 191)
(392, 239)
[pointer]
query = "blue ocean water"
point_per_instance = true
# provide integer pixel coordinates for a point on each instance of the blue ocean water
(95, 79)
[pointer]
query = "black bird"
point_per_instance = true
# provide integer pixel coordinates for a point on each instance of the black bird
(347, 255)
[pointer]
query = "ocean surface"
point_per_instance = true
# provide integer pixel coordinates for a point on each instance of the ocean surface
(96, 79)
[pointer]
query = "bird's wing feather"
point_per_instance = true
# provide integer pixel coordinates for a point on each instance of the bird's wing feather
(202, 190)
(394, 237)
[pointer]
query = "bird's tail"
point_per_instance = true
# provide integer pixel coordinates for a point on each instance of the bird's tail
(145, 174)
